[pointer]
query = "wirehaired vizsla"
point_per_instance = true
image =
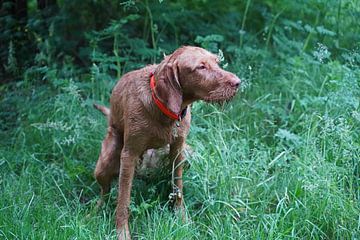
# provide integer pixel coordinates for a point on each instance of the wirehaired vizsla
(150, 108)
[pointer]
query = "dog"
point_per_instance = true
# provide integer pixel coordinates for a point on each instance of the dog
(151, 108)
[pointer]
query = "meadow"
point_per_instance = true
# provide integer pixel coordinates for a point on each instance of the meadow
(280, 161)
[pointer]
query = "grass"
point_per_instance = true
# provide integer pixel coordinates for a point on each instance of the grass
(279, 162)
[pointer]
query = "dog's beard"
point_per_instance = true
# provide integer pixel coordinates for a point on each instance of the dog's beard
(220, 95)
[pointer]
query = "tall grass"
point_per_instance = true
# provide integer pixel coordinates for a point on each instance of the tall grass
(280, 161)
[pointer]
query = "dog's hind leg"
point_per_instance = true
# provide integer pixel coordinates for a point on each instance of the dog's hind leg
(108, 164)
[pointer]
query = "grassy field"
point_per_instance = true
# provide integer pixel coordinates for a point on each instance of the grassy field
(281, 161)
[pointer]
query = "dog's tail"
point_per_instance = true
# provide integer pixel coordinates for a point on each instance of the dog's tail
(103, 109)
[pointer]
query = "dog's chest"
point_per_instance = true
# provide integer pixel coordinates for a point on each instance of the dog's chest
(160, 137)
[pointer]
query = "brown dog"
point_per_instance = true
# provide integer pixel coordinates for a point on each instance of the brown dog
(150, 108)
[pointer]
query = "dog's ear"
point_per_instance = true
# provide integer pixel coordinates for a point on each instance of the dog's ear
(168, 88)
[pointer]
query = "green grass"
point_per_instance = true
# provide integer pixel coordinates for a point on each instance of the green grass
(279, 162)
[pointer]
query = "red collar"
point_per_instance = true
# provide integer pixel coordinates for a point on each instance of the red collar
(161, 105)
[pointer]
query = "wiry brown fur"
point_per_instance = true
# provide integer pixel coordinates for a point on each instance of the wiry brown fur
(136, 124)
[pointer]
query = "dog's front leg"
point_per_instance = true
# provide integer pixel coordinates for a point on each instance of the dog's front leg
(177, 155)
(127, 168)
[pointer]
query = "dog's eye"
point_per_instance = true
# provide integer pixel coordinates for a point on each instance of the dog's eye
(201, 67)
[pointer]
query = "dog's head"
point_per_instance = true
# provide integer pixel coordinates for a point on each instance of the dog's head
(192, 73)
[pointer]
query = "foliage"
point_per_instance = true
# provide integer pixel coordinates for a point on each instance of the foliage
(279, 161)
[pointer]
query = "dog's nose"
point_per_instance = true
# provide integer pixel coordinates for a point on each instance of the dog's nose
(235, 82)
